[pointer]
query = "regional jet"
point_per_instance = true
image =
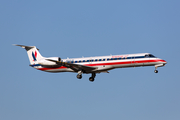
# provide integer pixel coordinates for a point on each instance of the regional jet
(90, 65)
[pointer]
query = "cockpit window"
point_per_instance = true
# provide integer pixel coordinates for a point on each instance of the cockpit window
(150, 55)
(146, 56)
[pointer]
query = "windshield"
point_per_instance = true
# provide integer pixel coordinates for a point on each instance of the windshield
(149, 56)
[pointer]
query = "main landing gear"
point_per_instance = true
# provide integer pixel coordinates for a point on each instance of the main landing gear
(92, 77)
(79, 76)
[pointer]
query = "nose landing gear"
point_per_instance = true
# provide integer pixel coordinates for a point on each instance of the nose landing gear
(158, 65)
(156, 71)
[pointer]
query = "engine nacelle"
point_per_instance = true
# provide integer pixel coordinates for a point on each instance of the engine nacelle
(46, 63)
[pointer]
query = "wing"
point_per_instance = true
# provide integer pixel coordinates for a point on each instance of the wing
(75, 67)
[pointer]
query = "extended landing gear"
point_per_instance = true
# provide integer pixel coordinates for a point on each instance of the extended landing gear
(158, 65)
(79, 75)
(92, 77)
(156, 71)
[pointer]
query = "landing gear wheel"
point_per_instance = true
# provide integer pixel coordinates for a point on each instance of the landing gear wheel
(79, 76)
(156, 71)
(91, 79)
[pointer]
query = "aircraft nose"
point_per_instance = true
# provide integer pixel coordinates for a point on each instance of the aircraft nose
(164, 62)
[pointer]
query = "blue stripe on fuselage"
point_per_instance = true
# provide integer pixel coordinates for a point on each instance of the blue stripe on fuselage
(35, 65)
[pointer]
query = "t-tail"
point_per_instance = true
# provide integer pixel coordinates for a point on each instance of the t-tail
(33, 53)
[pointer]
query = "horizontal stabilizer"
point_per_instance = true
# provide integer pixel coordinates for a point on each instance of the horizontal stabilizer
(25, 47)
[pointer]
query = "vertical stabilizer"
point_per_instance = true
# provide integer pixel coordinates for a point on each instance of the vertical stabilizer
(32, 52)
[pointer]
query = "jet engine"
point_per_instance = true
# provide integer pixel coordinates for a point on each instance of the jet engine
(46, 63)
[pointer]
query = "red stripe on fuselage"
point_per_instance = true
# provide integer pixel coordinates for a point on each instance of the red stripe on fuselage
(111, 63)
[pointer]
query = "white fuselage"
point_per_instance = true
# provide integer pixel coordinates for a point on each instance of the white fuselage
(105, 63)
(91, 65)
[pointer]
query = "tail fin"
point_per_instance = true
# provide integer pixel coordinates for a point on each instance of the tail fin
(32, 52)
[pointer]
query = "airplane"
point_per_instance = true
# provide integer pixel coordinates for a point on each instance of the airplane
(90, 65)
